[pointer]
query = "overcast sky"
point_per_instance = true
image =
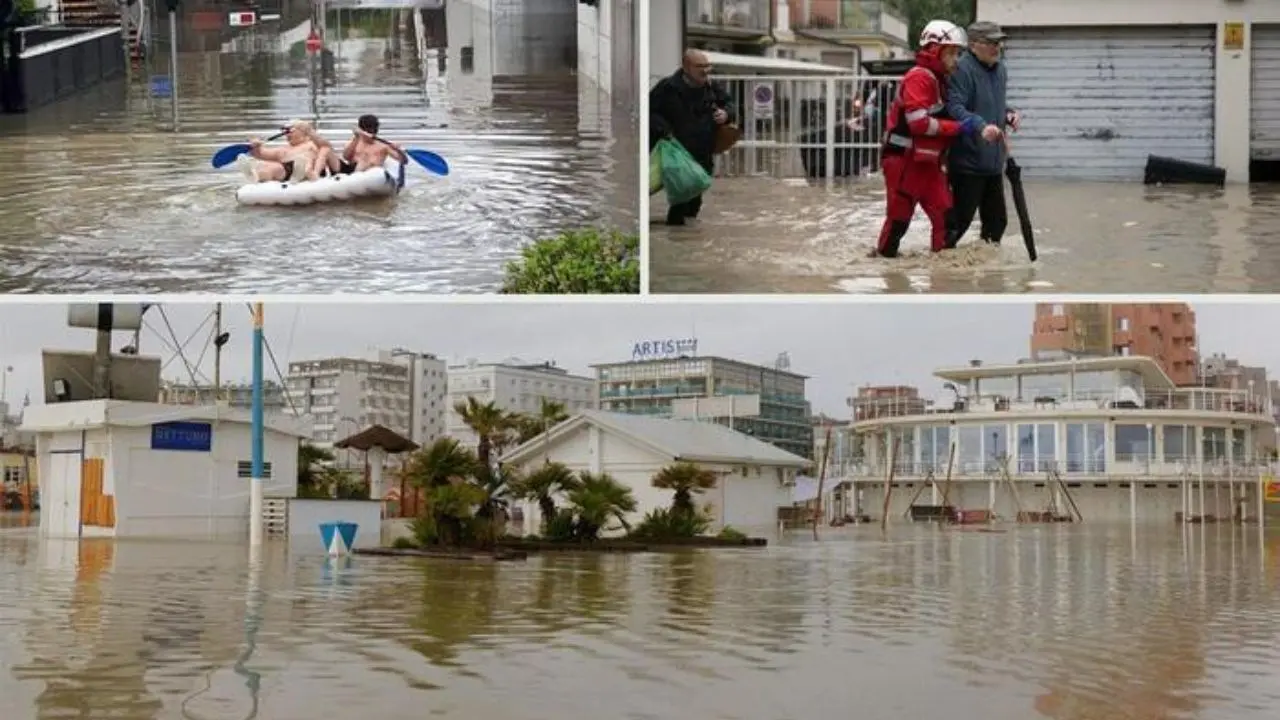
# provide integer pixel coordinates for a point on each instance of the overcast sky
(838, 345)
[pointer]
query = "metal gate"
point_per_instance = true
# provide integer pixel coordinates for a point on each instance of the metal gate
(828, 127)
(1096, 101)
(1264, 111)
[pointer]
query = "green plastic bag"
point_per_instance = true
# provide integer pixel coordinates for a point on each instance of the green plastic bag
(655, 172)
(682, 176)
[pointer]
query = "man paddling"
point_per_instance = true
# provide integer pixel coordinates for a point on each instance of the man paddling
(363, 151)
(294, 162)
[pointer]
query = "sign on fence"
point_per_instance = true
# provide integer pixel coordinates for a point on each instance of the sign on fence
(763, 96)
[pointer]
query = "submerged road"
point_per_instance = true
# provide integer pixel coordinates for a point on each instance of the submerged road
(759, 235)
(1052, 622)
(104, 193)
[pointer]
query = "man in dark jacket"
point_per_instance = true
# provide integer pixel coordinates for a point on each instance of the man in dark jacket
(977, 88)
(689, 107)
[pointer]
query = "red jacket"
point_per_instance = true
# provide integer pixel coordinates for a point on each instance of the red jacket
(921, 128)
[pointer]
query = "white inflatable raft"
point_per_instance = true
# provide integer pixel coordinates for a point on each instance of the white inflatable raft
(374, 182)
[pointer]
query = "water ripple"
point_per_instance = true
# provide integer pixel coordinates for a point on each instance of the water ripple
(1063, 623)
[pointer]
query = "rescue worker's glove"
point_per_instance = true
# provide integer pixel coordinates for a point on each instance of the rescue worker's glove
(971, 125)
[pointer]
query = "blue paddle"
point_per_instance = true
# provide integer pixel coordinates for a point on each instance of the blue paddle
(228, 154)
(427, 159)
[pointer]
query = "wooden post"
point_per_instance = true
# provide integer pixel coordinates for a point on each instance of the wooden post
(946, 483)
(929, 480)
(822, 481)
(888, 482)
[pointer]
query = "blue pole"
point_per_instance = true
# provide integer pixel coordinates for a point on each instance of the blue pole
(257, 431)
(258, 434)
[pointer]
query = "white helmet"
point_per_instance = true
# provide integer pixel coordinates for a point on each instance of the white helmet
(942, 32)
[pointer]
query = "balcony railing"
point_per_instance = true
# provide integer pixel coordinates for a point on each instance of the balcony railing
(847, 16)
(1187, 399)
(742, 17)
(1072, 469)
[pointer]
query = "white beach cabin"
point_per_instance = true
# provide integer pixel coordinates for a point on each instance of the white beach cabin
(111, 468)
(755, 478)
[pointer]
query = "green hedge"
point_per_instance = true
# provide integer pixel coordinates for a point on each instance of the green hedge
(590, 261)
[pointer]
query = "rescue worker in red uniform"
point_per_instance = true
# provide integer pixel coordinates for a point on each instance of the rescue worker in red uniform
(915, 145)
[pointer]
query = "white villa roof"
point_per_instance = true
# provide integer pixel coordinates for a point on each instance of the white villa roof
(686, 440)
(1153, 376)
(731, 64)
(88, 414)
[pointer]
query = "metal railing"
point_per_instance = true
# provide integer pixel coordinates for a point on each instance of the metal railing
(1082, 469)
(829, 127)
(737, 16)
(1188, 399)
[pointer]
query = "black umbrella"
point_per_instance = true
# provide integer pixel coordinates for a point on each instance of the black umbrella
(1014, 173)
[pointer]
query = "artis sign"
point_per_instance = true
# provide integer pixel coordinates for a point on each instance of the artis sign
(664, 349)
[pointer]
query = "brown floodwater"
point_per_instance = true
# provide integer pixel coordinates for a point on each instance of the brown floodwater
(104, 193)
(1069, 623)
(760, 235)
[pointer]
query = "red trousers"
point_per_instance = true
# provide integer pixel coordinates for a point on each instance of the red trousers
(908, 183)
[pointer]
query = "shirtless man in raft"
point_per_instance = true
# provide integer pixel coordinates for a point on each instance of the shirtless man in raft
(294, 162)
(363, 151)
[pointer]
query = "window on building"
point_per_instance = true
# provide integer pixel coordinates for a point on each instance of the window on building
(1122, 324)
(1179, 443)
(1213, 444)
(1037, 447)
(1059, 310)
(1134, 443)
(1086, 447)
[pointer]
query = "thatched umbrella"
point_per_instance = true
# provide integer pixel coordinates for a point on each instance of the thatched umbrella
(377, 442)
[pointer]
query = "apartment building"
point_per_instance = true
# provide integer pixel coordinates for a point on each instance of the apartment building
(401, 390)
(842, 33)
(1164, 332)
(649, 387)
(513, 386)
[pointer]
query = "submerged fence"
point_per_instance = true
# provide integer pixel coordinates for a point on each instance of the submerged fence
(814, 127)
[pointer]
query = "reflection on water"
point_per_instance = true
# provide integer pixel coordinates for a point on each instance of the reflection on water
(766, 236)
(1058, 622)
(103, 194)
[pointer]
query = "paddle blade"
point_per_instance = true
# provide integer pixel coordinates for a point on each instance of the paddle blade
(429, 160)
(228, 155)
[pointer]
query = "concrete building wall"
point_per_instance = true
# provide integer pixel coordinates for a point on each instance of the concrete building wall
(1232, 67)
(1158, 501)
(306, 515)
(666, 37)
(160, 493)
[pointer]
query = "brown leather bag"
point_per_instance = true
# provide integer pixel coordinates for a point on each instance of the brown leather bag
(726, 137)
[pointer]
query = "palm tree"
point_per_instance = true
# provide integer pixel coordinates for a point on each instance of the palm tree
(311, 482)
(444, 462)
(598, 499)
(490, 424)
(542, 485)
(687, 480)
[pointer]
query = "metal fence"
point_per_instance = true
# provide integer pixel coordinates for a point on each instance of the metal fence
(825, 127)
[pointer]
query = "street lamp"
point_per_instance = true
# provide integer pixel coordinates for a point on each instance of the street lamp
(337, 429)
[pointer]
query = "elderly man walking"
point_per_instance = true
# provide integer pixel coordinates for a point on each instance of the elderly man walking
(689, 106)
(975, 168)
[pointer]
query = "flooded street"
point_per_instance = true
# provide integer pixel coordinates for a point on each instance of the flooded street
(104, 194)
(1054, 622)
(760, 235)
